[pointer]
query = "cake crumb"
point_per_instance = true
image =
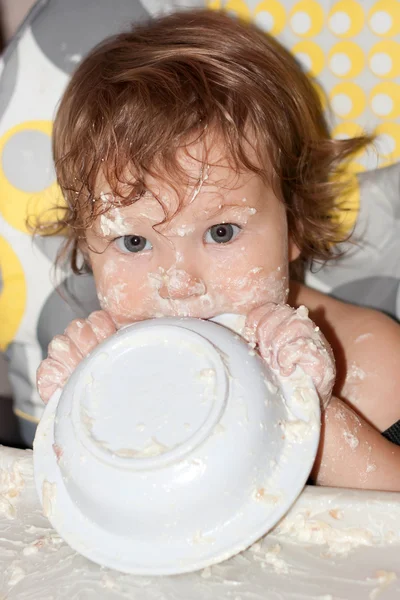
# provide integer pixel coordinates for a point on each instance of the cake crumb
(385, 578)
(336, 514)
(278, 564)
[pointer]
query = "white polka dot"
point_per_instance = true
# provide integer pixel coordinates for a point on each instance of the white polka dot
(265, 20)
(305, 60)
(340, 22)
(381, 63)
(301, 22)
(340, 64)
(382, 104)
(370, 160)
(342, 104)
(380, 22)
(387, 143)
(342, 136)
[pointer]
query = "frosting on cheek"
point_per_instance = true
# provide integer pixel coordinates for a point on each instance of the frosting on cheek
(113, 289)
(254, 288)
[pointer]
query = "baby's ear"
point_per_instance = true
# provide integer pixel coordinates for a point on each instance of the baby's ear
(293, 249)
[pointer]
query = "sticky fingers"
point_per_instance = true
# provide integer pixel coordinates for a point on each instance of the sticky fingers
(287, 338)
(50, 375)
(66, 351)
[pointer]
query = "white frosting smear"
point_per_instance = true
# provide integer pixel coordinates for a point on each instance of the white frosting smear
(331, 540)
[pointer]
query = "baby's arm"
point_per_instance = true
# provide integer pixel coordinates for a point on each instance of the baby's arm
(372, 379)
(366, 344)
(66, 351)
(354, 454)
(351, 453)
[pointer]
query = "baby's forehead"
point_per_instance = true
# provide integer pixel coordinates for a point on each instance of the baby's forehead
(207, 160)
(167, 210)
(206, 190)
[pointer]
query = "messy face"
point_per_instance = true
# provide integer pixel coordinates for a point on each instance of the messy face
(222, 246)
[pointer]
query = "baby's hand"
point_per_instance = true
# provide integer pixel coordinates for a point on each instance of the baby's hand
(66, 351)
(286, 337)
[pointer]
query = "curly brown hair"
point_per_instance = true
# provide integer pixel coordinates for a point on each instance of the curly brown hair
(140, 96)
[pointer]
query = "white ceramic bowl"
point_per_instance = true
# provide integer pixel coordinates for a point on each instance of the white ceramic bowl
(173, 447)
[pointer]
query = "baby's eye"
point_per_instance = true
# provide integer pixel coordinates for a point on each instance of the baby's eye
(221, 234)
(133, 243)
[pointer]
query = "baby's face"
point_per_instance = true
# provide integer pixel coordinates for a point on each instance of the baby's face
(225, 250)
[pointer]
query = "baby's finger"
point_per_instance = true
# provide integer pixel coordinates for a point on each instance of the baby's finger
(301, 351)
(102, 325)
(47, 392)
(82, 334)
(255, 317)
(274, 330)
(315, 359)
(63, 350)
(284, 325)
(50, 376)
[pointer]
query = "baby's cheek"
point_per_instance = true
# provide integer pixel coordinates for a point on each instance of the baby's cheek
(258, 287)
(118, 294)
(249, 283)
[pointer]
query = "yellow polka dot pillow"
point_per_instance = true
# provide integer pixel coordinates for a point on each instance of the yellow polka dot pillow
(34, 72)
(352, 48)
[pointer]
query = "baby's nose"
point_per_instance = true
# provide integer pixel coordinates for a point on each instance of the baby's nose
(178, 285)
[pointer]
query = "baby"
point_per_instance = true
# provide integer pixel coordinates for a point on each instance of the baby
(197, 169)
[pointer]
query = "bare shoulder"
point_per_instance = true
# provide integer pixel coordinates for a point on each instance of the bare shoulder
(366, 344)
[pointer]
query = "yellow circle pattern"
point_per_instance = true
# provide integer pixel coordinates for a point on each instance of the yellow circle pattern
(277, 12)
(17, 205)
(346, 60)
(384, 18)
(384, 59)
(238, 8)
(349, 61)
(389, 146)
(384, 100)
(307, 18)
(313, 54)
(348, 100)
(13, 294)
(346, 18)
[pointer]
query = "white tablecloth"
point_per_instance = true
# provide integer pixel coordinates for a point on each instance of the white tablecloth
(333, 545)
